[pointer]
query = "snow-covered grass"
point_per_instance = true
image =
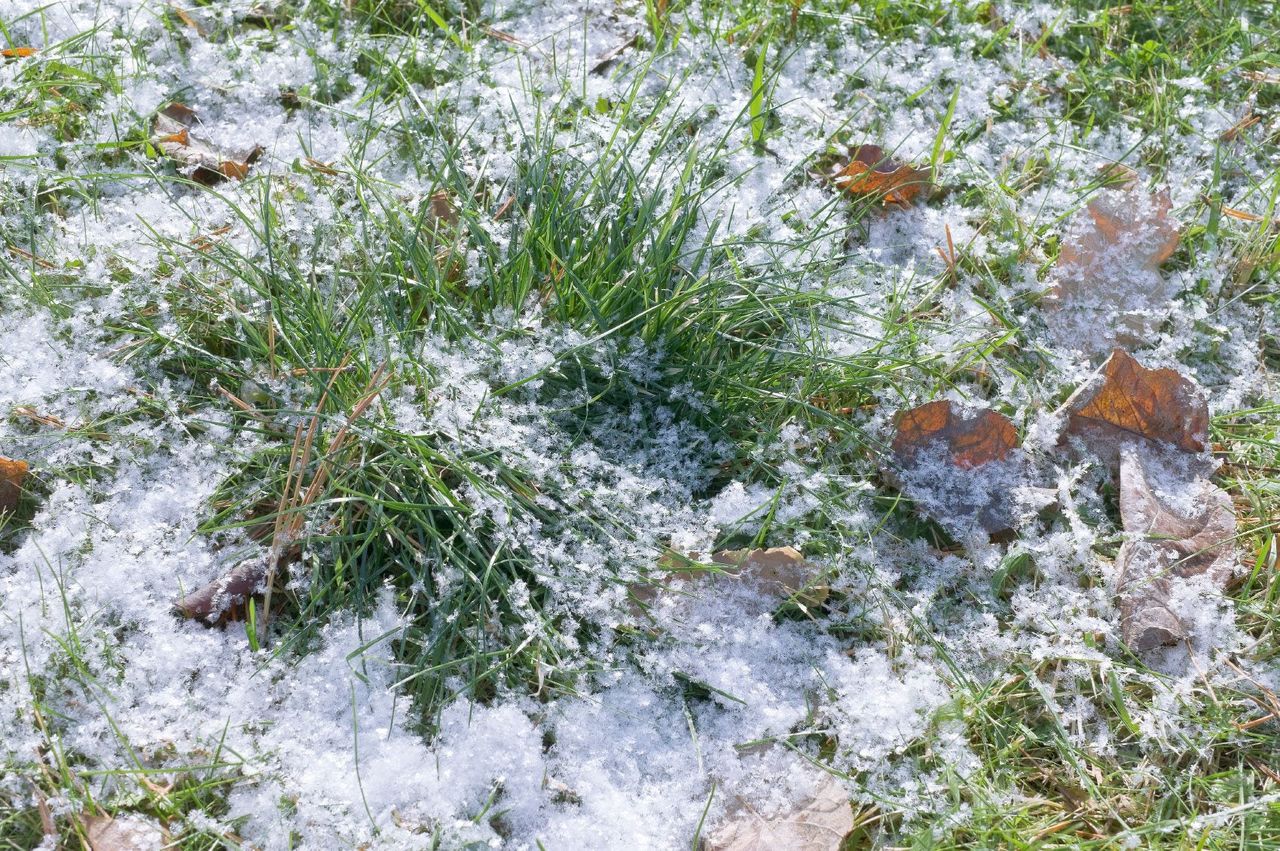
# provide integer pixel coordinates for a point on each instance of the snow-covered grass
(526, 310)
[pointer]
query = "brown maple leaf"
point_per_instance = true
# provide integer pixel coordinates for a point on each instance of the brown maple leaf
(959, 467)
(1108, 287)
(973, 440)
(1127, 402)
(871, 172)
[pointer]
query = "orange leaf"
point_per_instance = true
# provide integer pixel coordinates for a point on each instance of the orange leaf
(871, 172)
(1129, 402)
(12, 474)
(959, 468)
(233, 169)
(18, 52)
(972, 441)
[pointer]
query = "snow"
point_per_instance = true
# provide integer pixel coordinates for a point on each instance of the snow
(322, 747)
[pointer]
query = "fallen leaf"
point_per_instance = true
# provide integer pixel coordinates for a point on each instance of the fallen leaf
(1177, 526)
(223, 599)
(188, 19)
(972, 440)
(778, 571)
(960, 468)
(1127, 221)
(1108, 287)
(871, 172)
(607, 58)
(1127, 402)
(820, 824)
(12, 475)
(207, 163)
(127, 833)
(444, 215)
(18, 52)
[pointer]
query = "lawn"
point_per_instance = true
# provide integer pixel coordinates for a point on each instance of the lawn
(710, 424)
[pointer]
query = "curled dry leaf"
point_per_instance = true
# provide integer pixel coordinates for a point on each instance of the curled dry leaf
(871, 172)
(12, 475)
(190, 20)
(127, 833)
(1126, 402)
(1178, 526)
(1108, 287)
(224, 598)
(820, 824)
(173, 134)
(960, 467)
(607, 58)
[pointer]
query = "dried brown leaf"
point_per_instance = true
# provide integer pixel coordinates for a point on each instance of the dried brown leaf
(224, 598)
(187, 18)
(1127, 220)
(1169, 535)
(821, 824)
(972, 440)
(959, 467)
(128, 833)
(1127, 402)
(444, 215)
(12, 475)
(871, 172)
(607, 58)
(1108, 287)
(778, 571)
(207, 163)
